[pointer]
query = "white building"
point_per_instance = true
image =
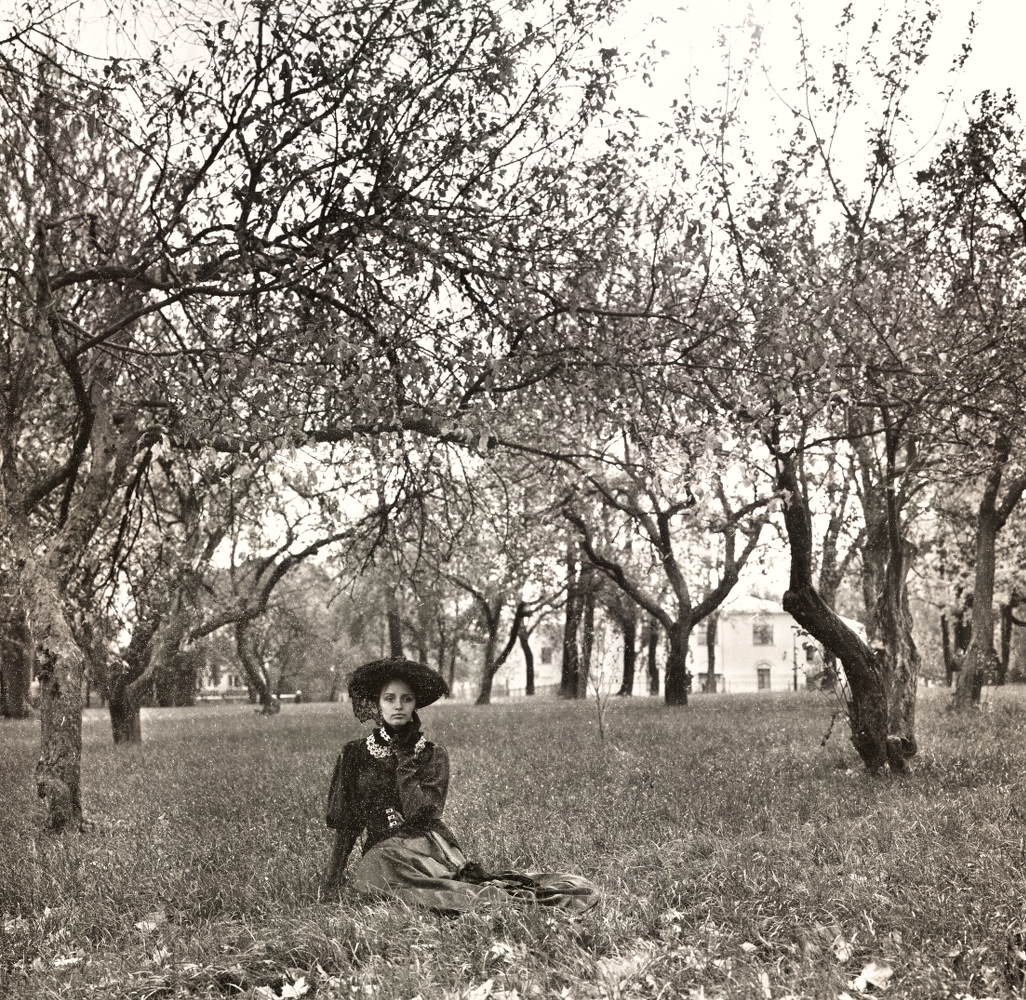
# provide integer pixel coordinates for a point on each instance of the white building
(217, 681)
(759, 647)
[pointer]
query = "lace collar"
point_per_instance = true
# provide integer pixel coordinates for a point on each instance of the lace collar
(381, 745)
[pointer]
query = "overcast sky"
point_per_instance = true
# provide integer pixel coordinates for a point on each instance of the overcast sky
(698, 35)
(694, 36)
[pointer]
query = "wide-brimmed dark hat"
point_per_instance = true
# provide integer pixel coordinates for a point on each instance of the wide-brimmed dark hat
(365, 684)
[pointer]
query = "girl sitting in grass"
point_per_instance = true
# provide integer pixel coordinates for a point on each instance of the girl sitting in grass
(391, 785)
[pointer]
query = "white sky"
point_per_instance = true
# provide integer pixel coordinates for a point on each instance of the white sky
(693, 35)
(690, 32)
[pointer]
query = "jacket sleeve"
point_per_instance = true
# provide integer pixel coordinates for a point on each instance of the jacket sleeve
(343, 809)
(423, 784)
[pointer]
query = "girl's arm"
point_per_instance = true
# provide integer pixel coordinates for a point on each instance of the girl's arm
(423, 783)
(343, 816)
(334, 874)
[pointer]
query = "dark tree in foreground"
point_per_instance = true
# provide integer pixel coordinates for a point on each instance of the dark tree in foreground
(870, 714)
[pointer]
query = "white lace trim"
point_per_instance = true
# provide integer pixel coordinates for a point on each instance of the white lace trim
(386, 751)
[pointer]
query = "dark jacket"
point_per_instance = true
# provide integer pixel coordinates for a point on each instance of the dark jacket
(402, 795)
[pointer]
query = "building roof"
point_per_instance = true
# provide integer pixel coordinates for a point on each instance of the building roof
(746, 604)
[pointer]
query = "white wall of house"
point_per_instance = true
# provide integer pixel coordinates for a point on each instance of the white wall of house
(759, 647)
(223, 683)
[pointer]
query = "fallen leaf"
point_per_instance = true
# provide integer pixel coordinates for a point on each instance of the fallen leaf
(290, 991)
(482, 991)
(151, 921)
(500, 951)
(616, 970)
(877, 975)
(621, 969)
(842, 949)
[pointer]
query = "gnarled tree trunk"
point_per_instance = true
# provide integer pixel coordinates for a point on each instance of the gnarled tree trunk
(676, 686)
(871, 695)
(60, 667)
(256, 672)
(15, 657)
(492, 663)
(980, 657)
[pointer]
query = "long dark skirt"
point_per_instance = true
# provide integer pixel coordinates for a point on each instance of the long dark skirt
(428, 871)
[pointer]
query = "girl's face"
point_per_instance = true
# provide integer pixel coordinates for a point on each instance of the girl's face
(397, 703)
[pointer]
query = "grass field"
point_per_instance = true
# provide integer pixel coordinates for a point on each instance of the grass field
(738, 857)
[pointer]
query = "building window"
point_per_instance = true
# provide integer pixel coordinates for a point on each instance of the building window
(701, 635)
(764, 678)
(546, 654)
(762, 635)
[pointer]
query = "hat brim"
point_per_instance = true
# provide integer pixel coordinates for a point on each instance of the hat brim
(365, 684)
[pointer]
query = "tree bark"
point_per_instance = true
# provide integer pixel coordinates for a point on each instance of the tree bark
(15, 661)
(629, 630)
(980, 657)
(256, 672)
(901, 660)
(488, 671)
(1006, 644)
(493, 663)
(711, 628)
(60, 666)
(525, 646)
(395, 628)
(589, 585)
(869, 707)
(571, 666)
(125, 716)
(653, 659)
(124, 696)
(676, 663)
(946, 651)
(963, 631)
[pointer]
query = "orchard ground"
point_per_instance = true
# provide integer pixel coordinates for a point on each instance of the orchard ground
(738, 855)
